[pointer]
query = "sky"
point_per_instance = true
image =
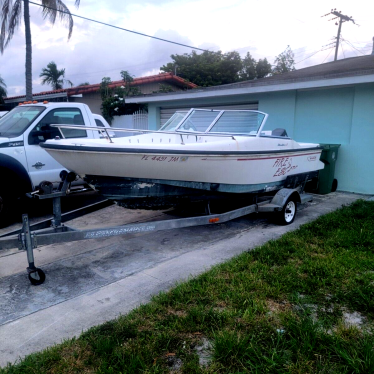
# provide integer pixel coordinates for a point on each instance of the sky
(264, 29)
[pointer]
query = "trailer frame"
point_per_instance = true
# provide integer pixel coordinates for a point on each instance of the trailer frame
(283, 203)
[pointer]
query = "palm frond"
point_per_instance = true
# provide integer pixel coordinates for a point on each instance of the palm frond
(5, 5)
(14, 20)
(2, 82)
(68, 81)
(53, 76)
(3, 91)
(67, 17)
(8, 13)
(52, 8)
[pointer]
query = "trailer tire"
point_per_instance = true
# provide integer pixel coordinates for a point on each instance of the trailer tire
(288, 213)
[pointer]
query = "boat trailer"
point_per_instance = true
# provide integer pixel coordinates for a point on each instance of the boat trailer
(283, 204)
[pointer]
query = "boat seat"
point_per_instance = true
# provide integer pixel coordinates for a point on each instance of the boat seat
(73, 133)
(279, 132)
(78, 120)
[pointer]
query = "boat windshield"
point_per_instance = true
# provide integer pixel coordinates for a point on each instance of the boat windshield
(245, 122)
(199, 120)
(18, 120)
(238, 122)
(172, 123)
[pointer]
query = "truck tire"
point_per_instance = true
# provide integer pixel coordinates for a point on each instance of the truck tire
(5, 204)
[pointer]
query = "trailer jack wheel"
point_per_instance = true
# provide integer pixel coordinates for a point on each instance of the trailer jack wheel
(36, 277)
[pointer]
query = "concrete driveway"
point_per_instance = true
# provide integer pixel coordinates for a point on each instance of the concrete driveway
(92, 281)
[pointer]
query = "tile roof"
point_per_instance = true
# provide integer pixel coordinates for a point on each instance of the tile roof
(159, 78)
(39, 94)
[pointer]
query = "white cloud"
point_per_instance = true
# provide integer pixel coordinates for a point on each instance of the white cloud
(263, 29)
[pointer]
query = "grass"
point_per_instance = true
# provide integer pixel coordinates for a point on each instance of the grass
(285, 307)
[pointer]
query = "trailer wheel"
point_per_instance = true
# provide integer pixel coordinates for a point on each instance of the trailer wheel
(287, 215)
(37, 277)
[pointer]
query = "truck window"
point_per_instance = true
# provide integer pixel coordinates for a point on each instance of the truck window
(63, 116)
(18, 120)
(99, 123)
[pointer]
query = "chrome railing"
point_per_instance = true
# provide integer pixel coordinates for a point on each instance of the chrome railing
(106, 130)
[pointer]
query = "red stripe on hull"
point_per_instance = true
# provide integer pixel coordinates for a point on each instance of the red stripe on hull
(269, 158)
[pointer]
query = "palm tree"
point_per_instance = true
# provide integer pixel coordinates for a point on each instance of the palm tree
(51, 75)
(11, 18)
(3, 92)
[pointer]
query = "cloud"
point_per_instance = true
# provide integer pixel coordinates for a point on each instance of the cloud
(95, 51)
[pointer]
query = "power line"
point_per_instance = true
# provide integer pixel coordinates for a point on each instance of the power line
(120, 28)
(356, 54)
(343, 50)
(308, 56)
(149, 63)
(347, 41)
(331, 49)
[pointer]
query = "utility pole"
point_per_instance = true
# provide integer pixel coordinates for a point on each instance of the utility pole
(342, 18)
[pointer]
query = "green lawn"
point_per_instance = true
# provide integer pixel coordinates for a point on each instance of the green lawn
(300, 304)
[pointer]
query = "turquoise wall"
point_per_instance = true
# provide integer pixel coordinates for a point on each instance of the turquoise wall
(355, 167)
(338, 115)
(324, 113)
(281, 109)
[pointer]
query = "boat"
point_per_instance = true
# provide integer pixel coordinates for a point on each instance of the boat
(200, 152)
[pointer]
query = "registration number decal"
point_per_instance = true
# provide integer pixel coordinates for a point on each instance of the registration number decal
(164, 158)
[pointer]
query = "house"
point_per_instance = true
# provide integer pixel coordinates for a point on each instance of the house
(90, 94)
(326, 103)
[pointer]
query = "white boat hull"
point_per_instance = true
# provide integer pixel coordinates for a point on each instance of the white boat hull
(232, 169)
(221, 162)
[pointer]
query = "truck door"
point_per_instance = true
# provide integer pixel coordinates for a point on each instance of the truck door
(40, 164)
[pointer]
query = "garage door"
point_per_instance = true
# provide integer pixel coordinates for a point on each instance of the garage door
(166, 113)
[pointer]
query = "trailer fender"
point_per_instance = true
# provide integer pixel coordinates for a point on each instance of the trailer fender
(281, 197)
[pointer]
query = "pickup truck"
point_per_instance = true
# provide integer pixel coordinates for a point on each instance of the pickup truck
(23, 163)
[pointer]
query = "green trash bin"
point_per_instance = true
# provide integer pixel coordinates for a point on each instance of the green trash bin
(326, 181)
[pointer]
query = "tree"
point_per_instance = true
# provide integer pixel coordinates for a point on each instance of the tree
(284, 62)
(3, 91)
(248, 71)
(263, 68)
(105, 91)
(114, 98)
(164, 88)
(215, 68)
(128, 89)
(207, 68)
(51, 75)
(83, 84)
(11, 18)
